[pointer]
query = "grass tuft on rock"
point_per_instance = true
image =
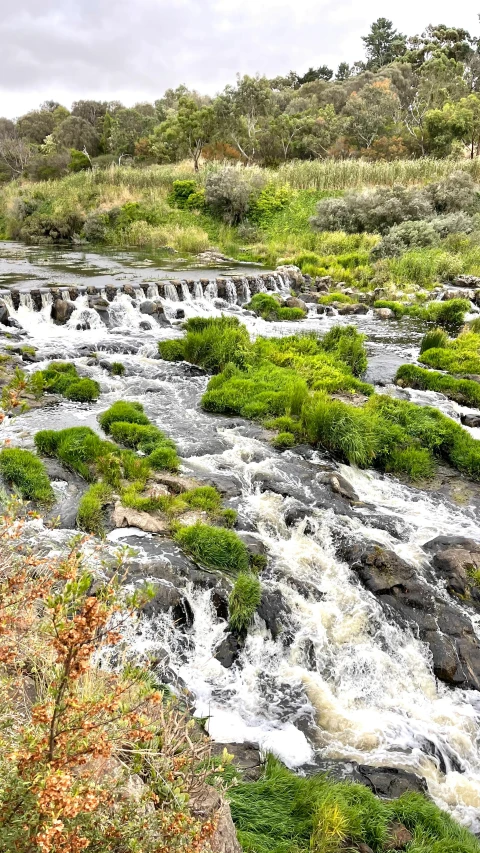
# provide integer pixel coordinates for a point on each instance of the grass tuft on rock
(62, 378)
(90, 510)
(243, 602)
(214, 547)
(463, 391)
(26, 472)
(270, 308)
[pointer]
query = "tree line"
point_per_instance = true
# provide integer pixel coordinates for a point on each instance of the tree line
(410, 97)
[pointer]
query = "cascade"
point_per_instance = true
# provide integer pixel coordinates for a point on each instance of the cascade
(211, 290)
(7, 298)
(171, 292)
(245, 294)
(186, 295)
(47, 300)
(197, 290)
(152, 291)
(26, 301)
(231, 291)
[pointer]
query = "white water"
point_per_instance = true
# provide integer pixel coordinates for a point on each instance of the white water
(351, 684)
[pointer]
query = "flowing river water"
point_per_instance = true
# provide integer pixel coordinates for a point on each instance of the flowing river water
(343, 680)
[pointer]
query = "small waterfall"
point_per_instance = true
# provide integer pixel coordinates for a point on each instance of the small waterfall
(65, 293)
(197, 290)
(123, 313)
(7, 298)
(244, 294)
(186, 295)
(103, 294)
(211, 290)
(171, 292)
(26, 301)
(83, 316)
(152, 291)
(231, 291)
(47, 300)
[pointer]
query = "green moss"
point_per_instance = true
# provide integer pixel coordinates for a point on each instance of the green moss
(463, 391)
(90, 510)
(26, 472)
(243, 602)
(214, 547)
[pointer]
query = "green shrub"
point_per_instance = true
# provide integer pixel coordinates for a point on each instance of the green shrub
(243, 602)
(372, 210)
(214, 547)
(172, 350)
(117, 368)
(461, 355)
(90, 510)
(131, 413)
(227, 194)
(417, 463)
(269, 308)
(83, 391)
(138, 436)
(434, 339)
(181, 192)
(164, 458)
(205, 498)
(26, 472)
(463, 391)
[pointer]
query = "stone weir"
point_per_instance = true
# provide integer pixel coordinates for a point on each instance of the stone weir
(149, 296)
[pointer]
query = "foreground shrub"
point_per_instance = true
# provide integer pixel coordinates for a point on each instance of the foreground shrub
(463, 391)
(243, 602)
(91, 722)
(214, 547)
(343, 429)
(24, 471)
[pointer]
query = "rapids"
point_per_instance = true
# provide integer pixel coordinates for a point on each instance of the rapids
(343, 681)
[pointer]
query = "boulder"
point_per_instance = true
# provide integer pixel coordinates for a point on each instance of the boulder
(148, 307)
(229, 650)
(470, 420)
(383, 313)
(4, 315)
(472, 281)
(246, 758)
(295, 302)
(449, 633)
(398, 837)
(273, 609)
(360, 308)
(175, 483)
(293, 273)
(454, 564)
(150, 522)
(61, 311)
(207, 804)
(169, 599)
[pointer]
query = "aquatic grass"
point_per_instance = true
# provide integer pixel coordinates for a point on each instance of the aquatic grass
(164, 458)
(90, 510)
(122, 411)
(172, 350)
(463, 391)
(243, 602)
(284, 440)
(214, 547)
(117, 368)
(27, 473)
(63, 378)
(270, 308)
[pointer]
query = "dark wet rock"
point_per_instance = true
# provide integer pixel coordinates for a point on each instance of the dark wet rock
(169, 599)
(61, 311)
(145, 325)
(228, 485)
(148, 307)
(220, 603)
(229, 650)
(295, 512)
(274, 611)
(387, 782)
(305, 588)
(360, 308)
(391, 523)
(448, 632)
(246, 758)
(254, 544)
(455, 566)
(4, 315)
(342, 487)
(469, 420)
(64, 511)
(440, 543)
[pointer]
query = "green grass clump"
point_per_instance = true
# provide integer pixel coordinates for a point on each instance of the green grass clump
(117, 368)
(131, 413)
(164, 458)
(172, 350)
(214, 547)
(90, 510)
(463, 391)
(138, 436)
(78, 448)
(448, 314)
(345, 430)
(347, 344)
(62, 378)
(269, 308)
(397, 307)
(243, 602)
(214, 342)
(328, 298)
(26, 472)
(434, 339)
(461, 355)
(284, 440)
(286, 813)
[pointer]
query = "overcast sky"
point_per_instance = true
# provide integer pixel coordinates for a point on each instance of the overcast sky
(132, 50)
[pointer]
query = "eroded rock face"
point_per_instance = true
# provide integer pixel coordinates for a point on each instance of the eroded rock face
(448, 632)
(4, 315)
(208, 804)
(62, 310)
